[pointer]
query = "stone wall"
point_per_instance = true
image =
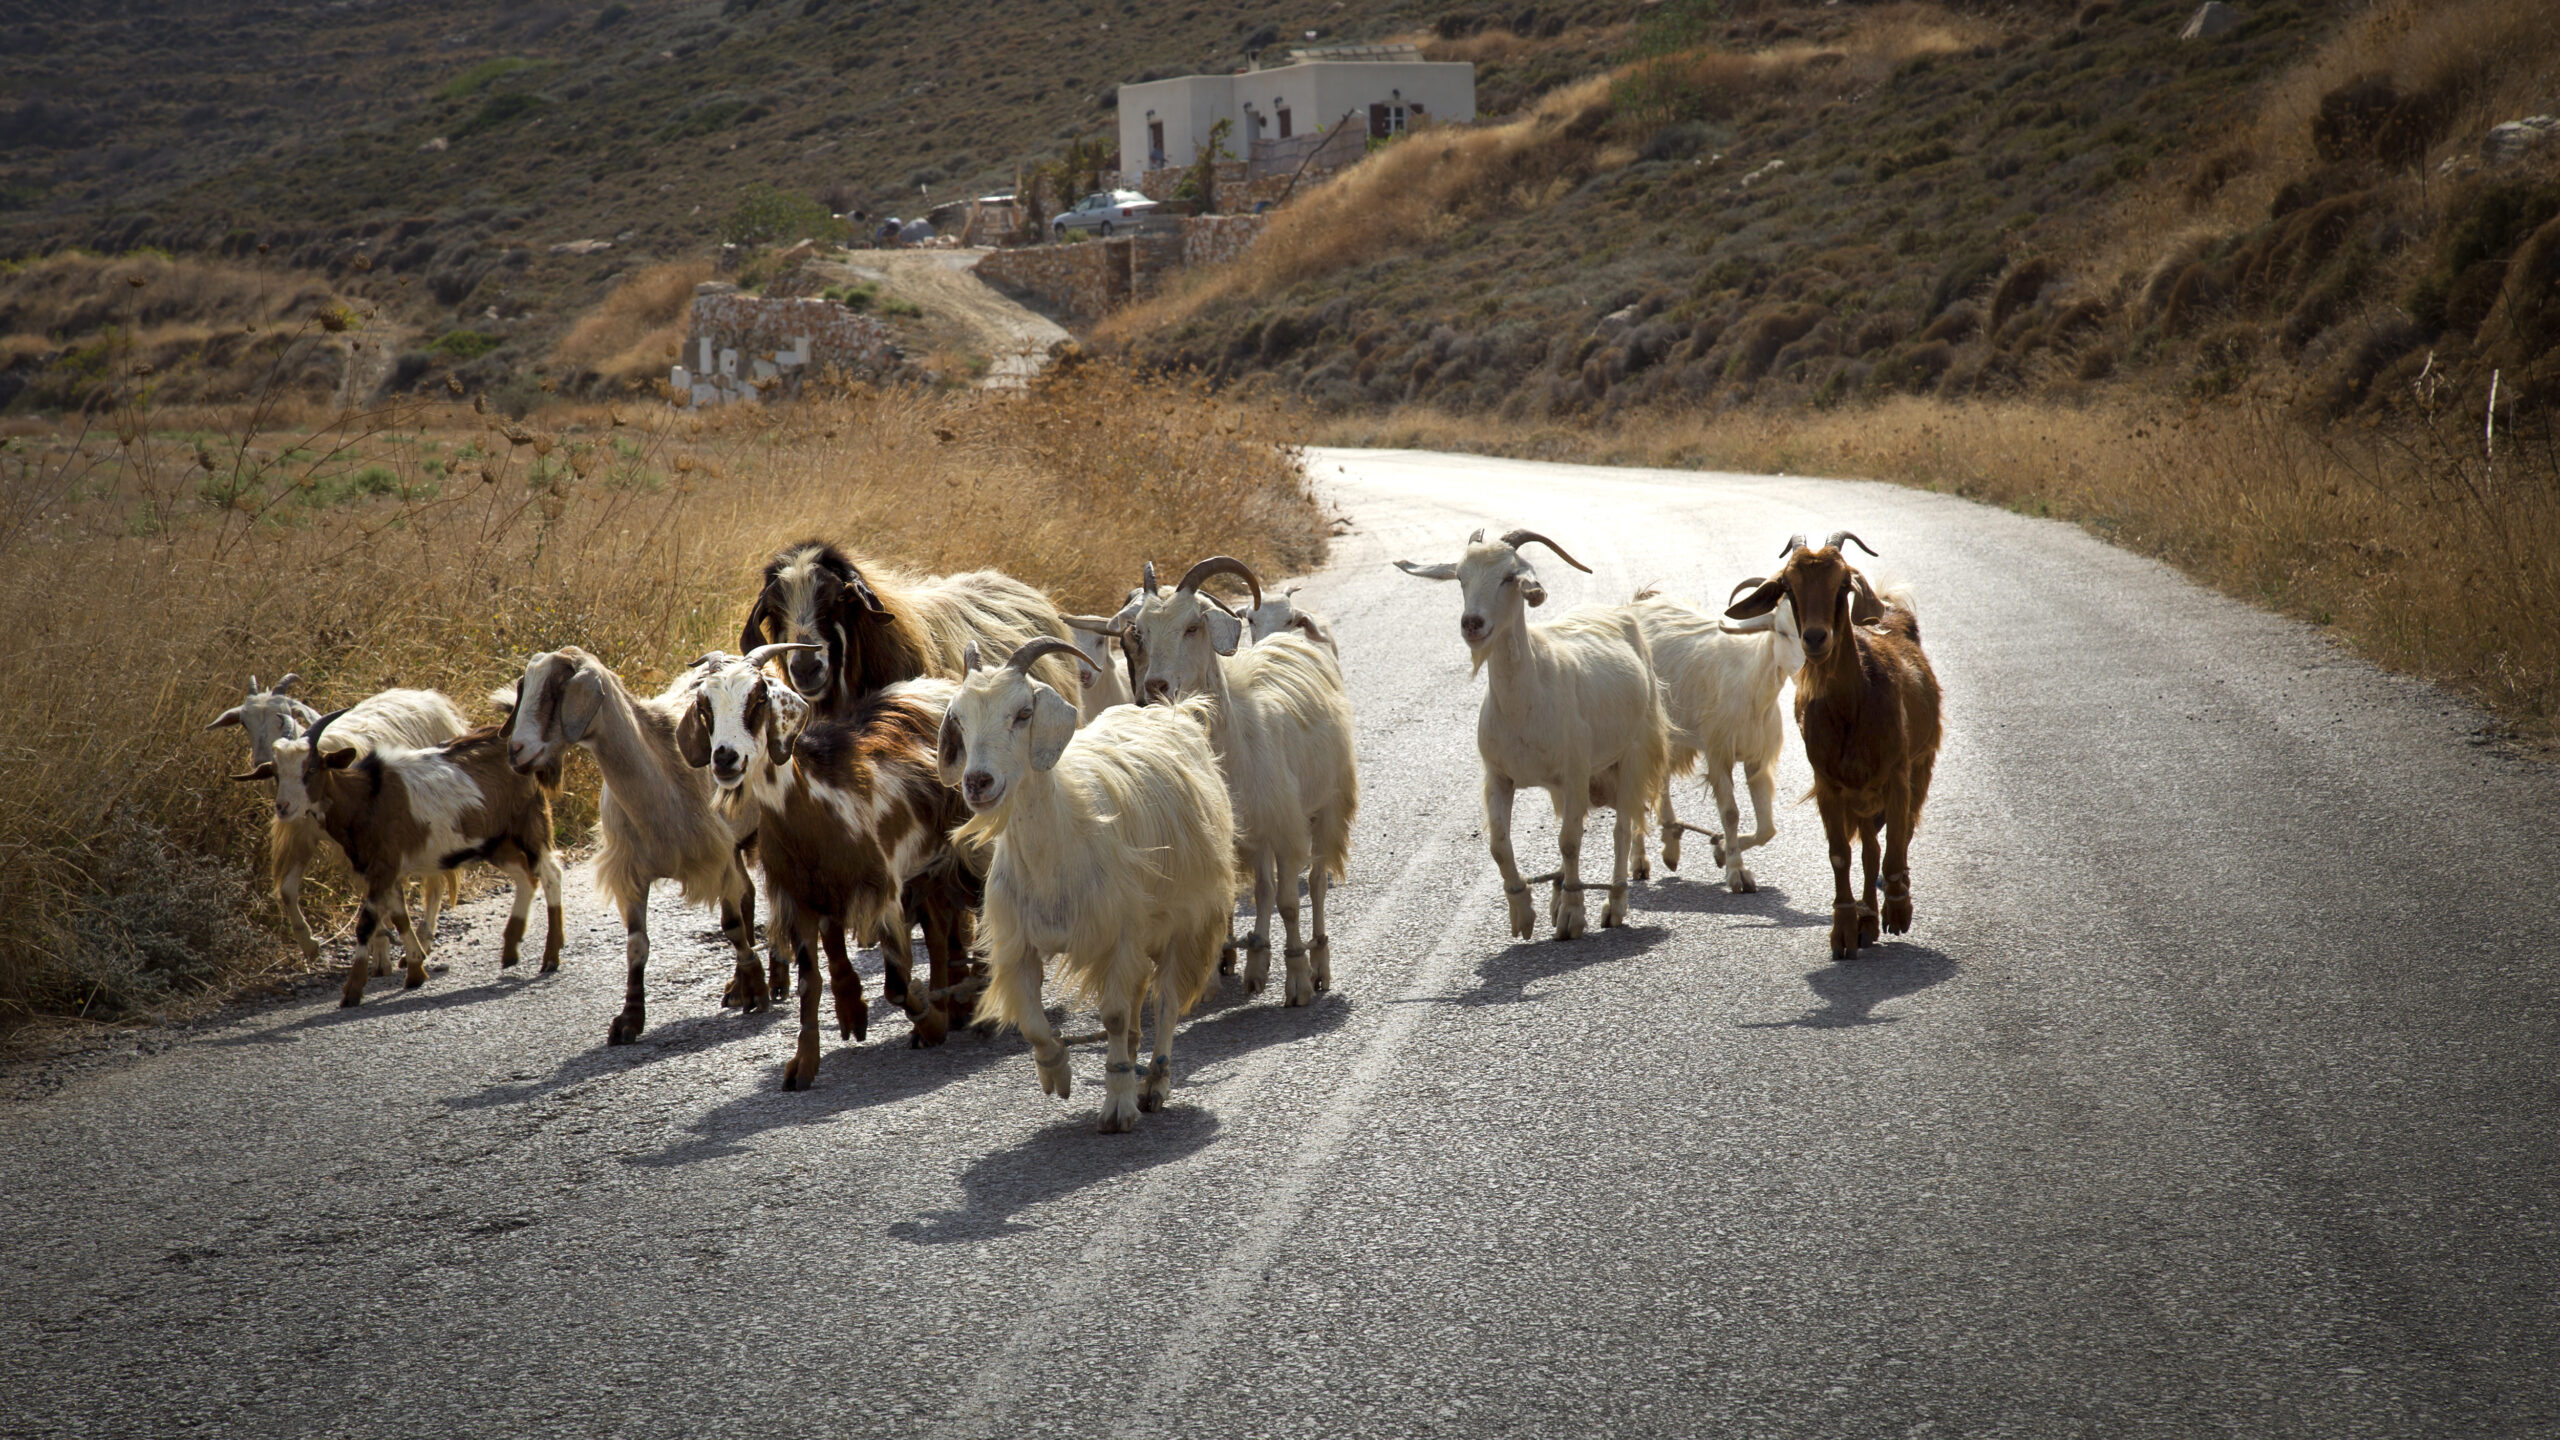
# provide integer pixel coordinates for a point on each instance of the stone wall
(1088, 279)
(741, 347)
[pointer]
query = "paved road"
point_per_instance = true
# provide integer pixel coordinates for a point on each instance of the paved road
(2212, 1093)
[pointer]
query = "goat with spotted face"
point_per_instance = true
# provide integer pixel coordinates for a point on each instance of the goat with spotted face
(1113, 846)
(849, 813)
(398, 812)
(875, 626)
(1867, 704)
(414, 719)
(1281, 726)
(1573, 708)
(654, 817)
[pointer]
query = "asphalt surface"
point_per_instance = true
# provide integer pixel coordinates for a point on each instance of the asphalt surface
(2212, 1093)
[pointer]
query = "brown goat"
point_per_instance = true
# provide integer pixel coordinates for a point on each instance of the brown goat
(1867, 706)
(416, 812)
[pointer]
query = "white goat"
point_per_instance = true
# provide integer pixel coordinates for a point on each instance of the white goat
(1116, 850)
(1282, 729)
(1721, 689)
(1100, 667)
(411, 719)
(1282, 613)
(1573, 708)
(654, 817)
(396, 812)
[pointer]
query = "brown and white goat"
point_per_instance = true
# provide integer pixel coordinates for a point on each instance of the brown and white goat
(398, 812)
(850, 816)
(1867, 706)
(878, 626)
(414, 719)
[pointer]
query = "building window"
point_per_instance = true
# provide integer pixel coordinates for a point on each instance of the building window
(1386, 121)
(1284, 124)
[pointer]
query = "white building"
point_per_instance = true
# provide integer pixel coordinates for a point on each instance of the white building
(1386, 89)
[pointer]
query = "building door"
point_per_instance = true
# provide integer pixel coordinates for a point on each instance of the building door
(1155, 144)
(1377, 122)
(1284, 124)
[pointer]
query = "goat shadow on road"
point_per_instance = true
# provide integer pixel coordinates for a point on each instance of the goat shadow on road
(1053, 1163)
(684, 1036)
(1505, 978)
(1706, 895)
(393, 1003)
(1850, 990)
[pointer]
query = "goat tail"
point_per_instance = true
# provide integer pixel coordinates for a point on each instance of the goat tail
(1901, 608)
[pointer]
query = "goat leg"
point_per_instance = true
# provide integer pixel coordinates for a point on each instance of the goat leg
(1497, 829)
(549, 869)
(801, 1070)
(1729, 845)
(1320, 951)
(853, 1013)
(1897, 871)
(634, 1018)
(1564, 903)
(360, 965)
(1870, 854)
(1844, 906)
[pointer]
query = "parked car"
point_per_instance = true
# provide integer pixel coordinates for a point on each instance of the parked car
(1103, 212)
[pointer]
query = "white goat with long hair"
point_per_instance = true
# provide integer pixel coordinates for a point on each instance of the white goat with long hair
(1113, 846)
(654, 818)
(1721, 687)
(410, 719)
(1281, 725)
(1573, 708)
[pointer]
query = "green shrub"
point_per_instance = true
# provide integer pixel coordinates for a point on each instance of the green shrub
(464, 345)
(767, 216)
(481, 76)
(500, 110)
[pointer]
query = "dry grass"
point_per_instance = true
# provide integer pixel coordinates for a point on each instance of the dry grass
(440, 547)
(2419, 552)
(635, 333)
(200, 328)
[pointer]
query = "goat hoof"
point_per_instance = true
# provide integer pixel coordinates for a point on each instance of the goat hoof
(412, 982)
(1057, 1079)
(1227, 958)
(1897, 915)
(1670, 852)
(626, 1028)
(1740, 882)
(1867, 930)
(1524, 918)
(350, 1001)
(551, 965)
(1643, 869)
(1844, 931)
(1119, 1116)
(931, 1027)
(509, 962)
(1302, 991)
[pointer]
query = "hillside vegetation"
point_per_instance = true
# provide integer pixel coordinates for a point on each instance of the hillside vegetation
(428, 161)
(1806, 207)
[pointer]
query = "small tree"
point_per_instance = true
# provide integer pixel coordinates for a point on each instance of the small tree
(1202, 183)
(766, 216)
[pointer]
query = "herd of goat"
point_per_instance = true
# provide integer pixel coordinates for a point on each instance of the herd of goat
(1099, 795)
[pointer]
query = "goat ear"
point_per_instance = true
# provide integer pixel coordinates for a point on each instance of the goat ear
(1445, 570)
(266, 771)
(339, 759)
(752, 634)
(949, 752)
(1225, 630)
(1053, 724)
(504, 697)
(1757, 603)
(227, 717)
(1530, 589)
(580, 699)
(784, 713)
(861, 590)
(693, 732)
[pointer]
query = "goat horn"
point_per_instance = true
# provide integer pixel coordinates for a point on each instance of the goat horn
(1517, 538)
(1794, 544)
(1839, 535)
(1754, 583)
(1040, 648)
(288, 682)
(757, 657)
(969, 662)
(1150, 586)
(253, 685)
(1219, 565)
(1478, 537)
(1752, 626)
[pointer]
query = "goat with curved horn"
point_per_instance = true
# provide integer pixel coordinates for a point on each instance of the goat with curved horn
(1149, 582)
(1038, 649)
(757, 657)
(1517, 538)
(1839, 535)
(1794, 544)
(1219, 565)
